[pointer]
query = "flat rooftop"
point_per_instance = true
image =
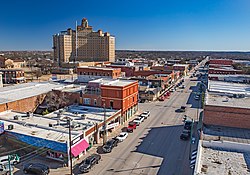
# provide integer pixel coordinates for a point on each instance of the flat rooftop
(111, 82)
(229, 75)
(54, 126)
(26, 90)
(181, 65)
(225, 101)
(224, 162)
(98, 68)
(238, 135)
(221, 94)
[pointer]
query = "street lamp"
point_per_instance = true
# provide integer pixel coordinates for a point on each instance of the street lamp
(70, 145)
(191, 134)
(104, 125)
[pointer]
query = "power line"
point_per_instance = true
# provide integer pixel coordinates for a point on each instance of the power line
(2, 154)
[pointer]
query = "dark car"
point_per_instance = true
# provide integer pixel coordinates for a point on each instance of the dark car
(109, 145)
(185, 135)
(89, 162)
(36, 168)
(188, 124)
(131, 126)
(183, 109)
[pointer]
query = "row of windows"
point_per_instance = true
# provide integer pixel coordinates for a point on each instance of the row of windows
(94, 73)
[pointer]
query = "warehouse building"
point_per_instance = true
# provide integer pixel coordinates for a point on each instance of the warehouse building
(227, 104)
(50, 133)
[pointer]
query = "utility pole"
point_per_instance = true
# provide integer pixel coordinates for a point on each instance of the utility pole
(104, 126)
(70, 154)
(10, 171)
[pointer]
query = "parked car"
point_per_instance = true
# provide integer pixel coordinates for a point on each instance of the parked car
(188, 124)
(109, 145)
(185, 135)
(162, 98)
(172, 90)
(36, 168)
(89, 162)
(183, 87)
(13, 159)
(138, 120)
(197, 97)
(145, 114)
(5, 169)
(182, 109)
(131, 126)
(122, 136)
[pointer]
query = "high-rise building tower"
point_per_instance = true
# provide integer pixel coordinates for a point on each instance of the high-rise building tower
(83, 45)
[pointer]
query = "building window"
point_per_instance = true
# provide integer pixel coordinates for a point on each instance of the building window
(111, 104)
(86, 101)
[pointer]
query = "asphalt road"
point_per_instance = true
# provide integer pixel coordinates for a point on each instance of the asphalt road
(155, 146)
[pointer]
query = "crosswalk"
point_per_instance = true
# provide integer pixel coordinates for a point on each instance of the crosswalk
(193, 159)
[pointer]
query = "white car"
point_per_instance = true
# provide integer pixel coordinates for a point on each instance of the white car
(122, 136)
(145, 114)
(138, 120)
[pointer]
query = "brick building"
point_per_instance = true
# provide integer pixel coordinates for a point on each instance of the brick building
(2, 61)
(114, 94)
(227, 104)
(12, 76)
(83, 44)
(11, 63)
(86, 74)
(129, 70)
(224, 71)
(27, 97)
(1, 79)
(221, 61)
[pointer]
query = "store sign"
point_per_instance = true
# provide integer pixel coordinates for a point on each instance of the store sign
(112, 125)
(1, 127)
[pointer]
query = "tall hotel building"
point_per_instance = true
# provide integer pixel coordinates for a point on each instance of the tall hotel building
(90, 45)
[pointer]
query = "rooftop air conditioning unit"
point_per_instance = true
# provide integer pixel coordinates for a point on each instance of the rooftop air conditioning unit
(10, 127)
(16, 117)
(83, 116)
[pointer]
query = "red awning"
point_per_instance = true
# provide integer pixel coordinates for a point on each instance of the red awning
(79, 147)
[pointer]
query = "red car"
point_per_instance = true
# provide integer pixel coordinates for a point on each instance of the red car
(162, 98)
(131, 126)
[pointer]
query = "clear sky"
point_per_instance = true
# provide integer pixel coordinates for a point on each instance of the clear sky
(137, 24)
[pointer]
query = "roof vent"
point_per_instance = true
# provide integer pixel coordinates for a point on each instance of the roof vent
(225, 100)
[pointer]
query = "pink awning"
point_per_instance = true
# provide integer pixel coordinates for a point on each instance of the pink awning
(79, 147)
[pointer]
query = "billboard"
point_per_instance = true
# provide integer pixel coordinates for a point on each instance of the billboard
(1, 127)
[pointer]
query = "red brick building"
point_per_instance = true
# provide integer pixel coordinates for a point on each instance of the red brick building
(13, 76)
(227, 104)
(221, 61)
(223, 71)
(129, 70)
(28, 96)
(113, 94)
(227, 116)
(86, 73)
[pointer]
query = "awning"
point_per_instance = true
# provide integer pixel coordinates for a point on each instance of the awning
(79, 147)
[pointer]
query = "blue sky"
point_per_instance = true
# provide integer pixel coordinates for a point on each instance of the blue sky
(137, 24)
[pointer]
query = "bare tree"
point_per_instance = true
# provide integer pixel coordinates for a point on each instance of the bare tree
(56, 100)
